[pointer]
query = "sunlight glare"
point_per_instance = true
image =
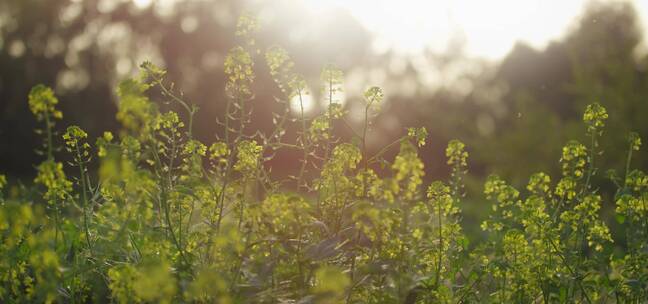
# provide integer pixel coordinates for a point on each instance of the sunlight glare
(488, 28)
(306, 100)
(142, 3)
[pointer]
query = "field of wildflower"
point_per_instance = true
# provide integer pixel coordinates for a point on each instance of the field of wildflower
(166, 218)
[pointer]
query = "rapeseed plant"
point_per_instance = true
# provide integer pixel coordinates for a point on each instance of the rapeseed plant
(168, 218)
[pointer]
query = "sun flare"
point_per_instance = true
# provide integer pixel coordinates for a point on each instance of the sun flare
(142, 3)
(303, 102)
(488, 28)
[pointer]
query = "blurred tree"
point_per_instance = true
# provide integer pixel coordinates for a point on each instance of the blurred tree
(82, 48)
(606, 68)
(548, 90)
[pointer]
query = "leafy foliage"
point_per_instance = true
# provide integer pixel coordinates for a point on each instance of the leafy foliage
(168, 218)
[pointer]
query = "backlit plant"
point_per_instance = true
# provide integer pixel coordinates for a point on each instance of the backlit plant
(168, 218)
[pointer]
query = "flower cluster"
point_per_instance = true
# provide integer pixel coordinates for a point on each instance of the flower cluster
(168, 218)
(248, 153)
(42, 103)
(594, 117)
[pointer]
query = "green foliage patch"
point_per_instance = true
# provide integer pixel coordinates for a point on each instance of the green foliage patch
(167, 218)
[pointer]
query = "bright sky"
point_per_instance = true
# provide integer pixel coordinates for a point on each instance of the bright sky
(490, 28)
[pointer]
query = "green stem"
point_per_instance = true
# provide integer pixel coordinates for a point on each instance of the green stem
(438, 274)
(56, 225)
(627, 167)
(191, 110)
(303, 142)
(167, 218)
(590, 170)
(384, 149)
(571, 271)
(48, 130)
(82, 176)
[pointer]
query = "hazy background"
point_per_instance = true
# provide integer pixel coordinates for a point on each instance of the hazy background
(509, 78)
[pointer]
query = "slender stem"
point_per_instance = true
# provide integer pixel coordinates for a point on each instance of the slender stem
(469, 290)
(227, 119)
(591, 168)
(167, 218)
(571, 271)
(230, 158)
(82, 176)
(56, 225)
(364, 189)
(348, 125)
(330, 118)
(327, 147)
(384, 149)
(166, 185)
(303, 142)
(364, 152)
(627, 167)
(48, 130)
(191, 110)
(438, 274)
(220, 201)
